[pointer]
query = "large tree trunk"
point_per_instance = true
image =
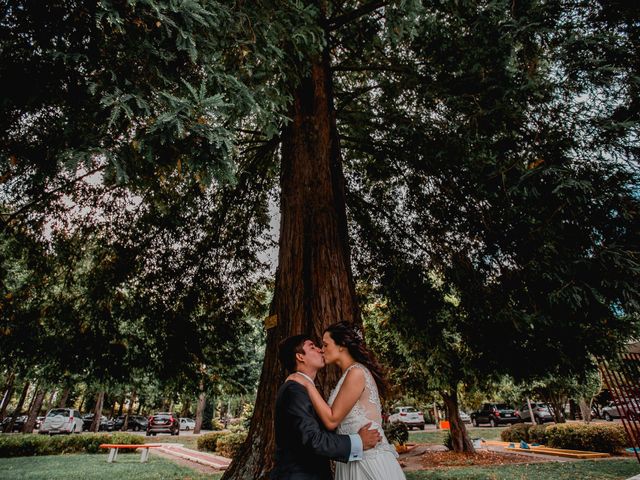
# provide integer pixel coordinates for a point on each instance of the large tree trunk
(62, 403)
(16, 413)
(202, 401)
(585, 410)
(36, 405)
(459, 436)
(97, 412)
(186, 408)
(314, 284)
(7, 393)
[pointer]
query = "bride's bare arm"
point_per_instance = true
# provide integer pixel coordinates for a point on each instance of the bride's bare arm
(350, 391)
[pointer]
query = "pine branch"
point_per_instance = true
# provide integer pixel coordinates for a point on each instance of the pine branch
(338, 22)
(45, 195)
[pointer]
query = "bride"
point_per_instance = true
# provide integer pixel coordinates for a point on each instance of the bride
(354, 402)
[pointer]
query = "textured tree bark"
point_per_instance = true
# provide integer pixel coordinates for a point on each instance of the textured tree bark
(585, 410)
(16, 413)
(314, 283)
(62, 403)
(186, 407)
(36, 405)
(202, 400)
(459, 436)
(97, 412)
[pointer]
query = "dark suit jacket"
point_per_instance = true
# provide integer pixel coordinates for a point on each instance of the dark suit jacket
(303, 445)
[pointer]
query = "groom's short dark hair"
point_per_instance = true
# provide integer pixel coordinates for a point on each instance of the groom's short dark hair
(288, 348)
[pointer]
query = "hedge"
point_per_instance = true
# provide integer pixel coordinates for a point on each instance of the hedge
(594, 437)
(223, 443)
(516, 433)
(228, 445)
(33, 444)
(207, 442)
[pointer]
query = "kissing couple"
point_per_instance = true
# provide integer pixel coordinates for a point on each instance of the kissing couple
(347, 428)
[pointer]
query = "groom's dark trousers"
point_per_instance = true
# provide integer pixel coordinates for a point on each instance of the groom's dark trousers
(303, 445)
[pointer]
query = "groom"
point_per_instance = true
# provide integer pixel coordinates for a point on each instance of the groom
(303, 445)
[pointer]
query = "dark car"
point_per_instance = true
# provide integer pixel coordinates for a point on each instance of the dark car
(17, 425)
(136, 423)
(494, 414)
(627, 408)
(105, 423)
(163, 422)
(541, 413)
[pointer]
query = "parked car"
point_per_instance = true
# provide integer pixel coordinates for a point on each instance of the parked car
(62, 420)
(105, 424)
(629, 408)
(494, 414)
(39, 421)
(136, 423)
(410, 416)
(464, 417)
(163, 422)
(17, 424)
(187, 423)
(541, 413)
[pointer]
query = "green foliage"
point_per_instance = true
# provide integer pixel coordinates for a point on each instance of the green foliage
(595, 437)
(396, 432)
(207, 441)
(448, 440)
(516, 432)
(229, 444)
(538, 434)
(34, 444)
(216, 424)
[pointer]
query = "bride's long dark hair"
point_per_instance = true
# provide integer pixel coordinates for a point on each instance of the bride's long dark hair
(349, 336)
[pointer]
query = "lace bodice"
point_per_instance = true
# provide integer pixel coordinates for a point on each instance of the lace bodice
(366, 409)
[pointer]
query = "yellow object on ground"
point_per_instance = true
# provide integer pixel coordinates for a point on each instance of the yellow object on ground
(560, 452)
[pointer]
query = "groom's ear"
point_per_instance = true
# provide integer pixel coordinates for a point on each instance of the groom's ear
(300, 357)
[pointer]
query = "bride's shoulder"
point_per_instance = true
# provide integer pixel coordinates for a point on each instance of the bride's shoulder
(355, 373)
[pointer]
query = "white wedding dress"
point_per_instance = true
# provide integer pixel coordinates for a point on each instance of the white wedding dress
(380, 462)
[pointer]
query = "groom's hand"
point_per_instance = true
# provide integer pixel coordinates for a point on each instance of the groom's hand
(370, 438)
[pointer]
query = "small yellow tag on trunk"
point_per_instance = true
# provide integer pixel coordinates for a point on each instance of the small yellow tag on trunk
(271, 321)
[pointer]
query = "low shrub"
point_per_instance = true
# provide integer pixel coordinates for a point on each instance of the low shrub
(216, 424)
(516, 433)
(594, 437)
(537, 434)
(207, 442)
(34, 444)
(396, 432)
(448, 440)
(229, 444)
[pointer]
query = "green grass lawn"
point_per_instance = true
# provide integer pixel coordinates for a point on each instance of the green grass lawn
(583, 470)
(95, 467)
(488, 433)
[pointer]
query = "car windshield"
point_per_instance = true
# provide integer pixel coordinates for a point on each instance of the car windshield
(59, 411)
(410, 410)
(502, 406)
(162, 416)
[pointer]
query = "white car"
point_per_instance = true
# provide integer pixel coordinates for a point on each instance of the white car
(464, 417)
(187, 424)
(409, 416)
(61, 420)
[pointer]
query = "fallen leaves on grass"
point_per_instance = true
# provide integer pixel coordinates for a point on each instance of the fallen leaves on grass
(453, 459)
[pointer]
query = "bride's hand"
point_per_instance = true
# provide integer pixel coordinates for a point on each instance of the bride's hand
(294, 377)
